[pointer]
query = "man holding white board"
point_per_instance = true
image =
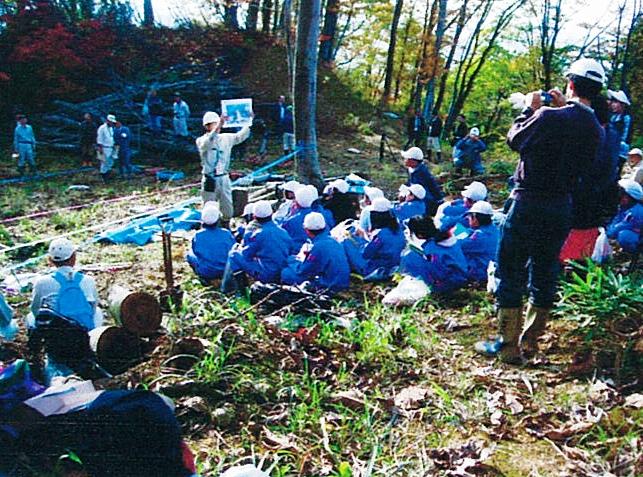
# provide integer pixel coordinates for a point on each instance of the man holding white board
(214, 148)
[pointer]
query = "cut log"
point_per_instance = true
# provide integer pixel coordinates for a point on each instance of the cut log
(138, 312)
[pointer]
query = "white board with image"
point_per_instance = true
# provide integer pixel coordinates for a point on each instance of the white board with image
(238, 112)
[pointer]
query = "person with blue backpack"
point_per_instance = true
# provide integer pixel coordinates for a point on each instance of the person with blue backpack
(66, 291)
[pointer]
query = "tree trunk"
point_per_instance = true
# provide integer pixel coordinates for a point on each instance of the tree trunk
(305, 92)
(405, 41)
(253, 15)
(148, 13)
(230, 18)
(266, 15)
(548, 35)
(636, 15)
(390, 58)
(418, 58)
(430, 87)
(276, 17)
(287, 31)
(326, 47)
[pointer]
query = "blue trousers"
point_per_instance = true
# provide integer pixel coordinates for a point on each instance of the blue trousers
(475, 165)
(530, 242)
(125, 162)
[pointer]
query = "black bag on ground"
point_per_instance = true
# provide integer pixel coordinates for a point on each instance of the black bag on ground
(280, 296)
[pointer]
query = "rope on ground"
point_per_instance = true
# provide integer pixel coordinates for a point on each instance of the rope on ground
(66, 172)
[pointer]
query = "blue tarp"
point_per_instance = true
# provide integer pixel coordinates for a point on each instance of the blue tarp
(141, 231)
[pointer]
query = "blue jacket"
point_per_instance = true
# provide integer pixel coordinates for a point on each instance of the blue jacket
(268, 246)
(406, 210)
(421, 175)
(469, 149)
(454, 214)
(442, 267)
(210, 248)
(325, 266)
(384, 249)
(556, 146)
(123, 138)
(626, 228)
(294, 225)
(480, 248)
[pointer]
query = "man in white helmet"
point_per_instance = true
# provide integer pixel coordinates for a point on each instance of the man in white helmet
(556, 145)
(214, 148)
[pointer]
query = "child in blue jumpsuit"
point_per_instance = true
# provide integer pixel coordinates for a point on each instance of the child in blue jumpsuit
(466, 153)
(294, 224)
(434, 257)
(481, 245)
(450, 214)
(385, 247)
(626, 226)
(325, 266)
(413, 205)
(263, 252)
(210, 246)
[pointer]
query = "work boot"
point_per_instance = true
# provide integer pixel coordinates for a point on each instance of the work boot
(535, 323)
(507, 344)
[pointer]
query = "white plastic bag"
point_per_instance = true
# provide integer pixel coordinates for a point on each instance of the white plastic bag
(492, 281)
(409, 291)
(602, 248)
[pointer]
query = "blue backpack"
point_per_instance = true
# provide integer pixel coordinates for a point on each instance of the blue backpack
(72, 302)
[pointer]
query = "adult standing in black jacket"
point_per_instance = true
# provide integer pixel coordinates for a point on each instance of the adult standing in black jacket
(415, 129)
(87, 139)
(460, 130)
(556, 145)
(433, 141)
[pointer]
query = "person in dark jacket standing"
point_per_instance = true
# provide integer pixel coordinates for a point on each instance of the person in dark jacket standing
(556, 144)
(87, 140)
(419, 174)
(433, 141)
(415, 129)
(460, 130)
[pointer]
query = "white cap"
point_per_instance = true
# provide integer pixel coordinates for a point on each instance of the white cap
(381, 204)
(635, 152)
(247, 470)
(291, 186)
(262, 209)
(210, 213)
(403, 189)
(249, 209)
(210, 117)
(481, 207)
(413, 153)
(373, 193)
(587, 68)
(418, 191)
(314, 221)
(619, 96)
(474, 132)
(475, 191)
(61, 249)
(111, 118)
(306, 195)
(341, 185)
(631, 188)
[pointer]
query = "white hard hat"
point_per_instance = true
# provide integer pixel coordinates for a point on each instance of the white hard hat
(210, 117)
(210, 213)
(341, 185)
(635, 152)
(373, 193)
(248, 470)
(474, 132)
(619, 96)
(475, 191)
(291, 186)
(248, 209)
(418, 191)
(631, 188)
(413, 153)
(481, 207)
(381, 204)
(111, 118)
(587, 68)
(61, 249)
(262, 209)
(314, 221)
(306, 195)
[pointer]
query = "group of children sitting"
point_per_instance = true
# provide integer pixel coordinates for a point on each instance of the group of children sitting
(319, 241)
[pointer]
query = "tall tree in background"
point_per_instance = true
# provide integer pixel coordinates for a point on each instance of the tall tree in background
(286, 24)
(326, 47)
(266, 15)
(390, 58)
(637, 14)
(148, 13)
(305, 92)
(549, 29)
(253, 15)
(404, 46)
(439, 35)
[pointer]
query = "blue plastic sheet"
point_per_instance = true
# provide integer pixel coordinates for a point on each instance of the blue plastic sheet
(142, 231)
